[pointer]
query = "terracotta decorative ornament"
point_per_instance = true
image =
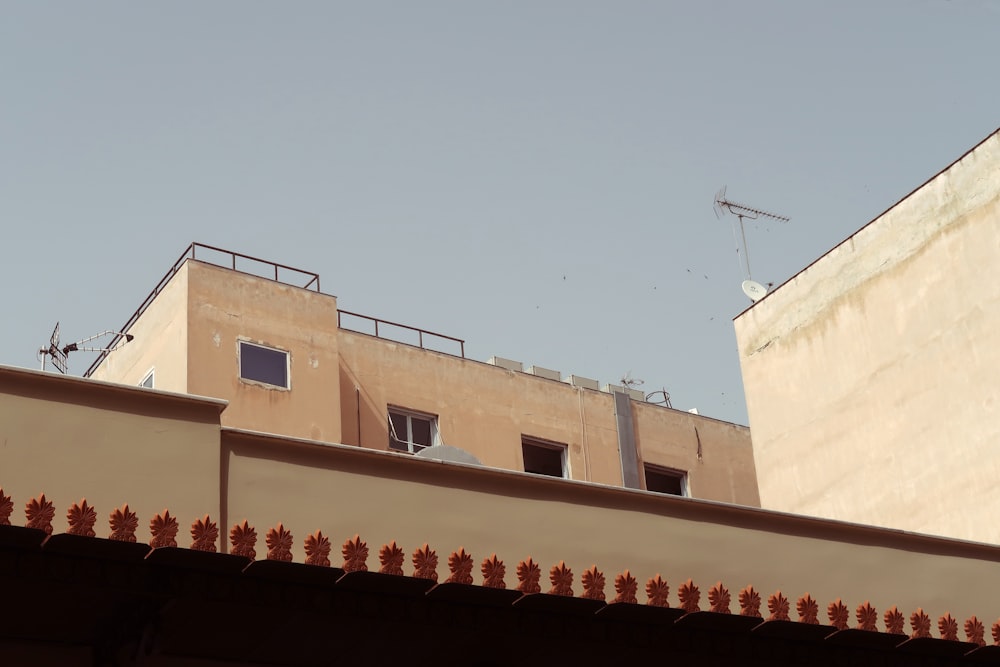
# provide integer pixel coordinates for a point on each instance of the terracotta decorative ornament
(657, 591)
(593, 584)
(81, 518)
(837, 613)
(626, 587)
(921, 624)
(493, 571)
(562, 580)
(867, 617)
(749, 600)
(719, 599)
(689, 595)
(204, 534)
(6, 508)
(391, 557)
(777, 604)
(355, 555)
(279, 544)
(39, 512)
(317, 549)
(123, 523)
(528, 575)
(948, 627)
(975, 632)
(163, 529)
(460, 563)
(425, 562)
(995, 631)
(894, 621)
(243, 538)
(808, 610)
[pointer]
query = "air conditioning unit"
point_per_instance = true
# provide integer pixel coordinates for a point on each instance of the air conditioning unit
(544, 373)
(583, 382)
(509, 364)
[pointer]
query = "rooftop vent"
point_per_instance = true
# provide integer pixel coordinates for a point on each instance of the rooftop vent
(509, 364)
(544, 372)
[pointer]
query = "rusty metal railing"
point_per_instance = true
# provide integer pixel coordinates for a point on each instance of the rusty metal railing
(230, 263)
(420, 332)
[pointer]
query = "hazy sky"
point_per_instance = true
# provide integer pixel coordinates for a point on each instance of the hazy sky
(533, 177)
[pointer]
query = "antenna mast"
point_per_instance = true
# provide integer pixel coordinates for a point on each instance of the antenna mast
(741, 211)
(59, 355)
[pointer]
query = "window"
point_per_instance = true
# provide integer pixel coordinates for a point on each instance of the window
(544, 458)
(665, 480)
(147, 381)
(263, 364)
(411, 431)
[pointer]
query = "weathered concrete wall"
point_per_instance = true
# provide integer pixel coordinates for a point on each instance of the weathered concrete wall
(71, 438)
(871, 377)
(225, 307)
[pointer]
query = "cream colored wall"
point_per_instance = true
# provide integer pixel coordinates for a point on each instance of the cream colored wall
(160, 342)
(227, 306)
(387, 496)
(485, 410)
(71, 438)
(871, 377)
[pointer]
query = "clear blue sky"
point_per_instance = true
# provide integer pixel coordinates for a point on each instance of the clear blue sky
(534, 177)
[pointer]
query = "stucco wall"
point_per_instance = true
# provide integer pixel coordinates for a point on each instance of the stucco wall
(71, 438)
(871, 376)
(225, 307)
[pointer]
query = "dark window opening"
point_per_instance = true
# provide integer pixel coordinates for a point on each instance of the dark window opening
(263, 364)
(662, 480)
(544, 459)
(410, 432)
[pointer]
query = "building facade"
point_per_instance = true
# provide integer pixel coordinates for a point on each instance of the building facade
(871, 376)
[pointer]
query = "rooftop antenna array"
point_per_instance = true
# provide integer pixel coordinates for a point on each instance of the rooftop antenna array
(751, 288)
(60, 355)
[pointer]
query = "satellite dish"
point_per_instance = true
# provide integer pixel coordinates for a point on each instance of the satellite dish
(448, 453)
(754, 290)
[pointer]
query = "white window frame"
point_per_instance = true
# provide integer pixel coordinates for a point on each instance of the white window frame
(410, 415)
(240, 342)
(541, 443)
(664, 470)
(151, 377)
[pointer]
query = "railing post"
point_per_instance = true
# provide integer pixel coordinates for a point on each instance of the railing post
(421, 337)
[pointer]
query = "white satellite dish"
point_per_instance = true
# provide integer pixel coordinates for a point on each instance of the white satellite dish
(754, 290)
(448, 453)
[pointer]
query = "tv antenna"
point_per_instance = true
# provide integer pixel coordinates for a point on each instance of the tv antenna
(630, 382)
(751, 288)
(60, 355)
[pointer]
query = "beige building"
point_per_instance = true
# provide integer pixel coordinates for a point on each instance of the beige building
(283, 358)
(871, 376)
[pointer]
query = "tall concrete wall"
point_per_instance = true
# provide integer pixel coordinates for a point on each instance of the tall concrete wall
(871, 376)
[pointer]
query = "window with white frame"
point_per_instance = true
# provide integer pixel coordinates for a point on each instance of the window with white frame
(267, 365)
(666, 480)
(411, 431)
(147, 381)
(544, 458)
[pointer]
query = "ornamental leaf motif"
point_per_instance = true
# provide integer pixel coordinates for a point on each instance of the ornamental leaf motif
(460, 563)
(279, 542)
(995, 631)
(39, 512)
(528, 575)
(975, 632)
(355, 555)
(749, 600)
(719, 599)
(894, 621)
(204, 534)
(626, 587)
(318, 549)
(867, 617)
(391, 557)
(6, 508)
(808, 610)
(777, 604)
(562, 580)
(593, 584)
(163, 528)
(837, 612)
(921, 624)
(948, 627)
(689, 596)
(425, 562)
(493, 571)
(123, 523)
(243, 538)
(657, 591)
(81, 518)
